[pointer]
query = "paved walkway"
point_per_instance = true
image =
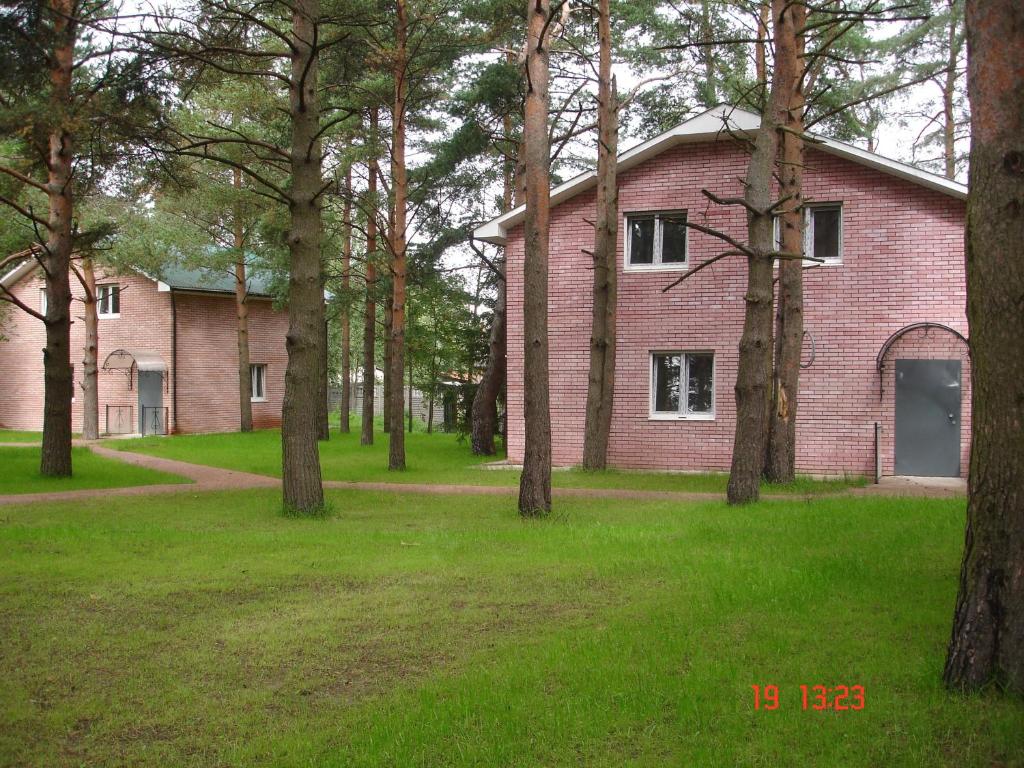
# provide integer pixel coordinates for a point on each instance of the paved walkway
(204, 478)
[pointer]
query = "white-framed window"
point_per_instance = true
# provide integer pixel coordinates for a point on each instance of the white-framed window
(682, 385)
(42, 301)
(823, 233)
(259, 382)
(108, 300)
(656, 241)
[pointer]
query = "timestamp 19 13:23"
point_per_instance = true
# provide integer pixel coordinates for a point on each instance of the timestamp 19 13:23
(835, 698)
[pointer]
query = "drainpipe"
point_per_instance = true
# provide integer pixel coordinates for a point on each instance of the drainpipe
(174, 361)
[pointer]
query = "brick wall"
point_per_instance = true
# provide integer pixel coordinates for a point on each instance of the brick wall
(208, 362)
(207, 356)
(145, 323)
(902, 263)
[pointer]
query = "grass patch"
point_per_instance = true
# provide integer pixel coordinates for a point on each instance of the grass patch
(17, 436)
(435, 458)
(20, 473)
(207, 629)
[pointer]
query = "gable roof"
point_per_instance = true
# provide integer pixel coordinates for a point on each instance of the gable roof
(21, 268)
(715, 124)
(179, 278)
(172, 277)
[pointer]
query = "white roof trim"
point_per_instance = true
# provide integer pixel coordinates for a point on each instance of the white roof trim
(712, 125)
(17, 273)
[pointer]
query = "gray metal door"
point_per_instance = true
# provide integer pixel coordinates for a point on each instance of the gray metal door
(928, 418)
(151, 402)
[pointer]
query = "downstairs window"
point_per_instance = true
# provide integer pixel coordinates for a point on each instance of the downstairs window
(682, 385)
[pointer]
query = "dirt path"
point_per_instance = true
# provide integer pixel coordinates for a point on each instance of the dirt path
(203, 479)
(206, 478)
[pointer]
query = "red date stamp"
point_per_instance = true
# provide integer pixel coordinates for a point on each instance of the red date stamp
(834, 698)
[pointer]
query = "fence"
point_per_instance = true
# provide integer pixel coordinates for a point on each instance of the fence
(120, 420)
(420, 403)
(154, 420)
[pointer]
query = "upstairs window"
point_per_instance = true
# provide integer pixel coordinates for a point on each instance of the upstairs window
(259, 383)
(42, 301)
(108, 300)
(823, 233)
(682, 385)
(656, 240)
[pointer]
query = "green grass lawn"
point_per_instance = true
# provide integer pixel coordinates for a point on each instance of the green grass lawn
(19, 473)
(406, 630)
(434, 458)
(17, 436)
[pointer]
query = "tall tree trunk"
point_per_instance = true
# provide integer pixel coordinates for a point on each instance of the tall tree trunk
(90, 373)
(400, 185)
(57, 376)
(780, 464)
(953, 43)
(242, 316)
(323, 403)
(370, 321)
(388, 301)
(484, 411)
(754, 372)
(410, 399)
(346, 328)
(987, 644)
(303, 489)
(433, 389)
(760, 61)
(485, 399)
(535, 482)
(601, 378)
(708, 90)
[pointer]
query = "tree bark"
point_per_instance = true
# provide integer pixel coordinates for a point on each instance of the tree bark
(242, 316)
(987, 644)
(780, 464)
(58, 386)
(953, 43)
(601, 378)
(90, 373)
(535, 481)
(708, 90)
(433, 388)
(485, 399)
(388, 300)
(760, 61)
(400, 184)
(346, 329)
(484, 413)
(303, 489)
(754, 371)
(370, 321)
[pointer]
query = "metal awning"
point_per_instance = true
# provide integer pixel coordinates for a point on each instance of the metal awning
(142, 359)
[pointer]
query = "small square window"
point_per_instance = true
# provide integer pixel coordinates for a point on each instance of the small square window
(108, 300)
(259, 383)
(823, 233)
(656, 240)
(668, 397)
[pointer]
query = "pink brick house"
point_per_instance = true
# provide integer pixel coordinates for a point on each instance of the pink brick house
(168, 353)
(885, 316)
